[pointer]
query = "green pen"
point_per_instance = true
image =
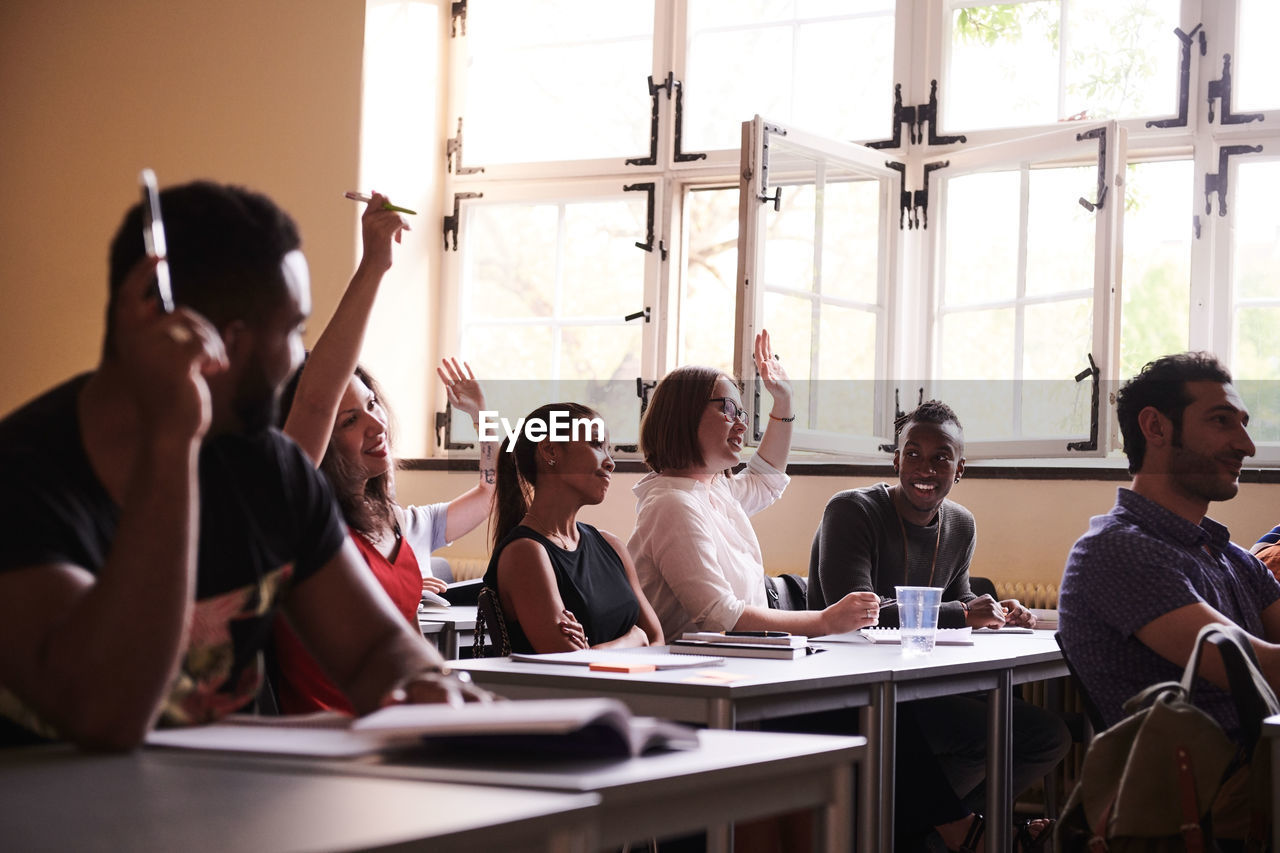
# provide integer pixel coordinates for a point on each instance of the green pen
(355, 196)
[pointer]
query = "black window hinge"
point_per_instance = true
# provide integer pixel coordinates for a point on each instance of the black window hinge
(650, 188)
(1218, 183)
(444, 431)
(915, 118)
(1184, 78)
(458, 13)
(1090, 372)
(451, 220)
(1221, 89)
(899, 415)
(913, 205)
(1100, 134)
(452, 149)
(643, 390)
(670, 85)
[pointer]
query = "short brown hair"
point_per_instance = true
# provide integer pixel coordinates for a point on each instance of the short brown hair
(669, 431)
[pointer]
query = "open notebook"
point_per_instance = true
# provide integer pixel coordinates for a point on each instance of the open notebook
(561, 727)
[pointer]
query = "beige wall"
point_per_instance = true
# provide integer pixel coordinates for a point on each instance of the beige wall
(267, 93)
(1025, 527)
(264, 93)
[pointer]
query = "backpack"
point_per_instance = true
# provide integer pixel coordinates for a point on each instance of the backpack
(1148, 783)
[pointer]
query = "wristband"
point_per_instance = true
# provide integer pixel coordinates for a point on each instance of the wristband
(774, 417)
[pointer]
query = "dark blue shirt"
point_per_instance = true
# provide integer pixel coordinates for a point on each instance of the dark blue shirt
(1135, 564)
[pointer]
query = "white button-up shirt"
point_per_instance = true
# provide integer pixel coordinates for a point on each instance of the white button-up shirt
(695, 551)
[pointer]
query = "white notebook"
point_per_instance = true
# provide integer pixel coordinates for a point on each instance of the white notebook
(586, 657)
(944, 637)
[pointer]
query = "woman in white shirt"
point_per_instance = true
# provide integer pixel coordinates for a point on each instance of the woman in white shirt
(697, 556)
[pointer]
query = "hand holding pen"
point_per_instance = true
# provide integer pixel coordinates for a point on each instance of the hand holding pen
(386, 205)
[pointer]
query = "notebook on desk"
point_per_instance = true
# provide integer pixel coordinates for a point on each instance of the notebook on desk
(560, 727)
(891, 636)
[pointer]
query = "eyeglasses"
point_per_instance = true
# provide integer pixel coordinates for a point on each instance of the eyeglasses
(730, 408)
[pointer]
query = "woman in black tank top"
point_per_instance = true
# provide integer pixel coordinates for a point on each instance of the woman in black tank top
(562, 584)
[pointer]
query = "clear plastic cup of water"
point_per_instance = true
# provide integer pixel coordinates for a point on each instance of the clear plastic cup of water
(918, 618)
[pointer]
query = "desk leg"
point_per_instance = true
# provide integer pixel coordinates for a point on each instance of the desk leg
(999, 762)
(720, 715)
(885, 704)
(833, 826)
(449, 641)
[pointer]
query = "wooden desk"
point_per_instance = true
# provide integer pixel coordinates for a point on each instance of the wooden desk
(53, 798)
(448, 629)
(866, 677)
(732, 776)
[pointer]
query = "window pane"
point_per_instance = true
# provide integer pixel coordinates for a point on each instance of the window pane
(851, 241)
(1049, 60)
(1060, 232)
(845, 393)
(1155, 313)
(789, 320)
(981, 249)
(545, 286)
(1256, 249)
(507, 270)
(1058, 337)
(557, 80)
(976, 345)
(603, 268)
(789, 253)
(783, 60)
(708, 303)
(1256, 63)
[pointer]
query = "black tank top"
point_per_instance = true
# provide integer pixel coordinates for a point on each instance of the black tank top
(592, 584)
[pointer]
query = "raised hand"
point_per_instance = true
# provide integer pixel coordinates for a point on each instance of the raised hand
(465, 393)
(378, 228)
(772, 373)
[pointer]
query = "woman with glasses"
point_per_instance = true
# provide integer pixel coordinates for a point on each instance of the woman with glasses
(695, 551)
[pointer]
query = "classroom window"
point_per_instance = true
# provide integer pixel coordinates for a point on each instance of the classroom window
(1042, 61)
(969, 270)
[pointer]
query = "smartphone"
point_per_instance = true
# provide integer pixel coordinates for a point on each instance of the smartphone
(153, 236)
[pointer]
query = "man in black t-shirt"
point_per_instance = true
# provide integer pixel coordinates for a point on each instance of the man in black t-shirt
(153, 522)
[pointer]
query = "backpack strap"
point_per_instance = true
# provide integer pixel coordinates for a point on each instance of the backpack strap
(1190, 829)
(1254, 698)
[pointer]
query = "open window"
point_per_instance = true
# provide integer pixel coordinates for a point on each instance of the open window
(817, 262)
(1021, 262)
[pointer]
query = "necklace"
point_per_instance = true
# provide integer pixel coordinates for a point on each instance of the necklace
(557, 538)
(937, 542)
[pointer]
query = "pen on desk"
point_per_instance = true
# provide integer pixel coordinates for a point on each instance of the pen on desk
(355, 196)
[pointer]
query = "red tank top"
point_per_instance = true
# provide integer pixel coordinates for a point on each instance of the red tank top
(301, 685)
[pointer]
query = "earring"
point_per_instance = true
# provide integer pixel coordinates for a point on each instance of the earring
(957, 478)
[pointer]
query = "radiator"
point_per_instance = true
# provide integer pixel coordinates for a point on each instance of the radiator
(466, 568)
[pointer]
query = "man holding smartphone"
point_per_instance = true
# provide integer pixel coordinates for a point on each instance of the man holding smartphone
(155, 520)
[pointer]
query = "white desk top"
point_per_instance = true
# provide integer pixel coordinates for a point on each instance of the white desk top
(55, 798)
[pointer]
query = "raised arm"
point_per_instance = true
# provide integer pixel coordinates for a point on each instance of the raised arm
(333, 359)
(94, 656)
(470, 508)
(775, 444)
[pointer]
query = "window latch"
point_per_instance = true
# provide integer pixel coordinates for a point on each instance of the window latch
(1100, 134)
(650, 188)
(637, 315)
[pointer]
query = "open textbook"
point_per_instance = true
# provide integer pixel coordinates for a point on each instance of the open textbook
(560, 727)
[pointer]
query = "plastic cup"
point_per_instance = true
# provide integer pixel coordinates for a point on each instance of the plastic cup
(918, 618)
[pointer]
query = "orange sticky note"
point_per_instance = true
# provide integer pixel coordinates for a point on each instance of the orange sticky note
(623, 667)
